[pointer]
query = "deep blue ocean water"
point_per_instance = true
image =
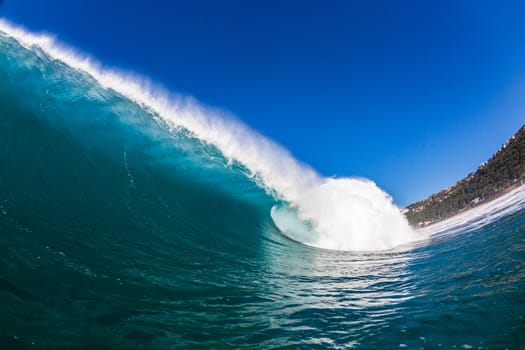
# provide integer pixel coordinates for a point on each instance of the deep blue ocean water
(117, 232)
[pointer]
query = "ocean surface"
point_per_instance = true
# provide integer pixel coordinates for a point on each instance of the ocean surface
(125, 227)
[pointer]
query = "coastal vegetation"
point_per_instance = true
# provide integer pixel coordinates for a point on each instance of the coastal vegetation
(503, 171)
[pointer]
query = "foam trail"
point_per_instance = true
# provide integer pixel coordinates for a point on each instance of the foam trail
(347, 214)
(479, 216)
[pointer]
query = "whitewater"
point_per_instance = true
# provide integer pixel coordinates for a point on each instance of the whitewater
(340, 214)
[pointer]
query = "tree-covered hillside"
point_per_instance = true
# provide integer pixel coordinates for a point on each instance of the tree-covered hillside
(504, 170)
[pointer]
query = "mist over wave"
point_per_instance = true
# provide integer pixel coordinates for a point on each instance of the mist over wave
(338, 214)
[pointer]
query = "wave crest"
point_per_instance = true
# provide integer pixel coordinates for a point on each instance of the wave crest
(344, 214)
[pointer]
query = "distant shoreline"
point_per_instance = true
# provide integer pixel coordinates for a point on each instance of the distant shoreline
(499, 175)
(472, 218)
(487, 200)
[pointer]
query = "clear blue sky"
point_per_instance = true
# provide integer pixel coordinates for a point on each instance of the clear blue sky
(411, 94)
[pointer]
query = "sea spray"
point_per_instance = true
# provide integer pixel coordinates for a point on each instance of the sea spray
(345, 214)
(339, 214)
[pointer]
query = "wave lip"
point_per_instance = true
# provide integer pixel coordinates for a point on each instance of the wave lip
(341, 214)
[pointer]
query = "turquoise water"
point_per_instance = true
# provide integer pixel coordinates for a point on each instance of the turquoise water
(119, 232)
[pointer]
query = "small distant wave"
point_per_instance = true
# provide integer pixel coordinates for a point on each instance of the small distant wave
(479, 216)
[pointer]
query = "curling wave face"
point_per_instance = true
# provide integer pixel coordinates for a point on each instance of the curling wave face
(340, 214)
(133, 221)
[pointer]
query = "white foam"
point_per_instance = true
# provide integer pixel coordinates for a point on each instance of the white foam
(347, 214)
